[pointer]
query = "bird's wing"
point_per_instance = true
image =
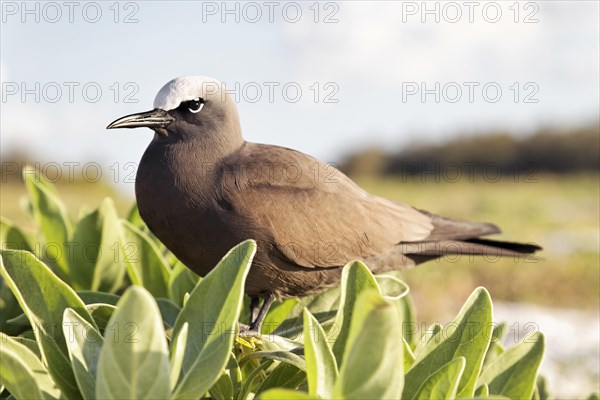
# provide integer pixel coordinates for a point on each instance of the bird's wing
(313, 214)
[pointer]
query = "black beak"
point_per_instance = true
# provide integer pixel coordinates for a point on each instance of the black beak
(154, 119)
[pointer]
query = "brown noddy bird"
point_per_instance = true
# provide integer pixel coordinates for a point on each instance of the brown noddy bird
(202, 189)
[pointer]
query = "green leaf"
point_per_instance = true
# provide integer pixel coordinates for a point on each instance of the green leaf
(12, 237)
(284, 394)
(250, 379)
(467, 336)
(443, 384)
(235, 372)
(177, 352)
(223, 388)
(277, 314)
(134, 361)
(283, 356)
(31, 344)
(146, 266)
(212, 312)
(9, 308)
(495, 347)
(44, 298)
(492, 353)
(169, 311)
(84, 344)
(513, 374)
(498, 332)
(23, 373)
(372, 368)
(96, 262)
(90, 297)
(356, 278)
(542, 388)
(20, 321)
(30, 172)
(409, 357)
(28, 334)
(229, 384)
(482, 391)
(321, 367)
(181, 281)
(18, 378)
(135, 218)
(391, 288)
(101, 314)
(283, 376)
(25, 206)
(433, 330)
(53, 220)
(409, 324)
(323, 306)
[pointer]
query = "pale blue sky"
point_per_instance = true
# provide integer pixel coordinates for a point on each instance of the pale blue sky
(371, 57)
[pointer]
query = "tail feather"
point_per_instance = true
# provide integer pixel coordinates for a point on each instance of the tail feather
(456, 229)
(520, 248)
(407, 255)
(454, 237)
(475, 247)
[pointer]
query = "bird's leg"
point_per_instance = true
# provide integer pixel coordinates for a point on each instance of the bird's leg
(254, 300)
(256, 323)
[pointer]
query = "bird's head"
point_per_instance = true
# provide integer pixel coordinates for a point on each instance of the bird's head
(187, 108)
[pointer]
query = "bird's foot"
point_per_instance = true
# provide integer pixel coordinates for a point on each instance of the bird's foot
(249, 330)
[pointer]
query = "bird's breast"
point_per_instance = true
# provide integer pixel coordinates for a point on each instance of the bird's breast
(174, 201)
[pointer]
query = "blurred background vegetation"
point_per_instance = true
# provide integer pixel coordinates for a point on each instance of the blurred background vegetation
(546, 151)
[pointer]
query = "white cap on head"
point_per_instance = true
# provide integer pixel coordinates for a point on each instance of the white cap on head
(184, 88)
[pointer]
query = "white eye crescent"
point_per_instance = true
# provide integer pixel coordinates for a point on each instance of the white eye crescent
(195, 105)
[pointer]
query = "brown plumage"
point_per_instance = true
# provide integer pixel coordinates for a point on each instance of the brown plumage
(202, 189)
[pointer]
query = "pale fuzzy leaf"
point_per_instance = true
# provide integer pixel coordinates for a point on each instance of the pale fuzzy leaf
(212, 312)
(391, 288)
(443, 384)
(356, 278)
(18, 378)
(177, 352)
(321, 367)
(134, 361)
(282, 355)
(84, 343)
(43, 297)
(283, 376)
(513, 373)
(276, 315)
(97, 261)
(52, 218)
(22, 372)
(323, 306)
(11, 237)
(181, 281)
(468, 335)
(146, 266)
(372, 368)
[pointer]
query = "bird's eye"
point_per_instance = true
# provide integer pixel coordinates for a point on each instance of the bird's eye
(195, 105)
